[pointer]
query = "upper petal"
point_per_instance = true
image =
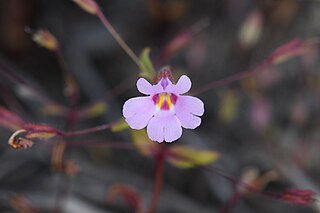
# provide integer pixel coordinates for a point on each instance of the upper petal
(189, 104)
(138, 111)
(146, 88)
(183, 85)
(137, 104)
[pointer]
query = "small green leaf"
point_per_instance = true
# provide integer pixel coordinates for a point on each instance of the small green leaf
(120, 126)
(94, 110)
(228, 106)
(147, 69)
(185, 157)
(142, 142)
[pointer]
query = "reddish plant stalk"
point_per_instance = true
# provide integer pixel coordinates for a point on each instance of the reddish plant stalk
(158, 180)
(112, 145)
(239, 182)
(180, 41)
(70, 122)
(295, 196)
(118, 38)
(88, 130)
(16, 79)
(232, 202)
(229, 79)
(292, 48)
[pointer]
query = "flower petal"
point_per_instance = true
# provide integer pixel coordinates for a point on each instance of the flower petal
(134, 105)
(146, 88)
(155, 129)
(139, 121)
(188, 120)
(138, 111)
(164, 128)
(189, 104)
(172, 129)
(183, 85)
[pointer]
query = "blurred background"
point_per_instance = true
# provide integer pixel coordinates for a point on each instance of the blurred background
(265, 126)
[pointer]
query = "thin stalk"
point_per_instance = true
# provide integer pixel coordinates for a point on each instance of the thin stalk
(158, 180)
(241, 183)
(88, 130)
(12, 76)
(72, 94)
(120, 41)
(229, 79)
(113, 145)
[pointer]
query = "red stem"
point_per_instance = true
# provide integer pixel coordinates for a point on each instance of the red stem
(230, 79)
(232, 202)
(241, 183)
(159, 180)
(118, 38)
(115, 145)
(88, 130)
(70, 122)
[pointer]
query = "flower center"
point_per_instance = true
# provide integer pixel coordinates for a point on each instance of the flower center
(165, 101)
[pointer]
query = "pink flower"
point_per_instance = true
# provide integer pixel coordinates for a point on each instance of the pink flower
(164, 110)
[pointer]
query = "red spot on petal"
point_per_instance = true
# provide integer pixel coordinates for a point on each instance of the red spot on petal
(165, 106)
(155, 98)
(173, 98)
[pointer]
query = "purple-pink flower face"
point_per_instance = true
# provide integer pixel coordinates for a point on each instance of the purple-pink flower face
(164, 110)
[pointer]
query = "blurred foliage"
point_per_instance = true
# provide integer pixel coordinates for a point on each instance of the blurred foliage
(260, 59)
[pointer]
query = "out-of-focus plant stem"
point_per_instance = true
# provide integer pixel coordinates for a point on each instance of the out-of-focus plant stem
(294, 47)
(229, 79)
(120, 41)
(88, 130)
(270, 195)
(105, 144)
(12, 76)
(180, 41)
(158, 180)
(72, 93)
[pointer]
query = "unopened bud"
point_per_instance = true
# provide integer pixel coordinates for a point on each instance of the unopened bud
(17, 142)
(45, 39)
(89, 6)
(298, 196)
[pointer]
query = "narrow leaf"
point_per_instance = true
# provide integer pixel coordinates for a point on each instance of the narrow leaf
(10, 120)
(53, 110)
(89, 6)
(288, 50)
(228, 106)
(186, 157)
(129, 194)
(45, 39)
(120, 126)
(142, 142)
(147, 69)
(40, 131)
(251, 30)
(94, 110)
